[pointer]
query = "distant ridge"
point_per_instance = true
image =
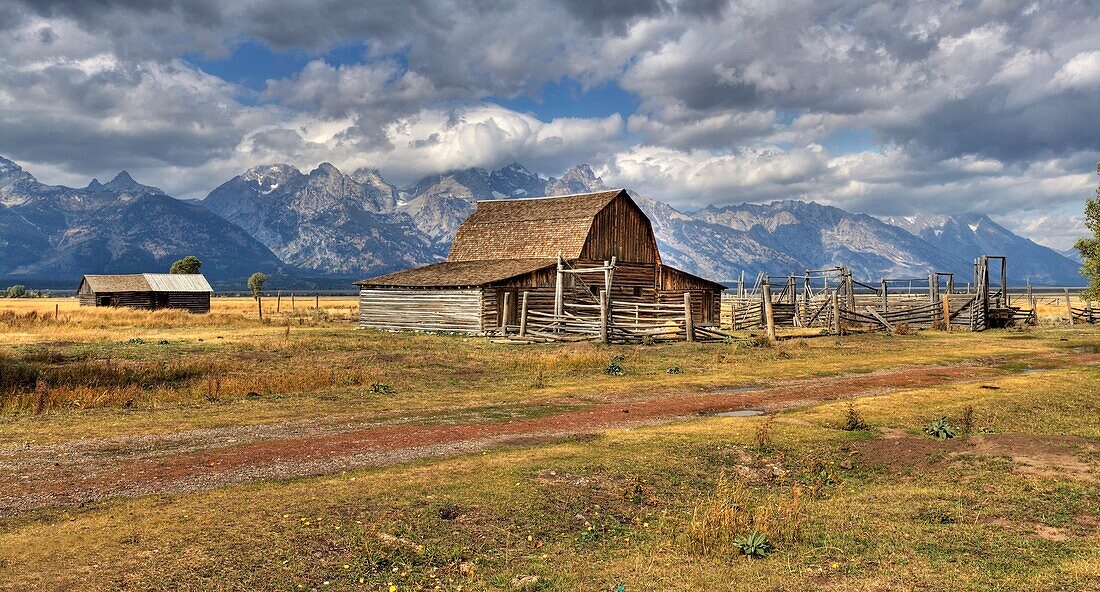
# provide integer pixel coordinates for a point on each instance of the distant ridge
(328, 224)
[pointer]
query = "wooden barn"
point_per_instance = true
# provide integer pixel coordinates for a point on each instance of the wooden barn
(564, 252)
(152, 291)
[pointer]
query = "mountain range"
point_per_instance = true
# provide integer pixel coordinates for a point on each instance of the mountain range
(325, 223)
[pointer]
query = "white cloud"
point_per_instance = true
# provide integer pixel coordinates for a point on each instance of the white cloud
(1083, 71)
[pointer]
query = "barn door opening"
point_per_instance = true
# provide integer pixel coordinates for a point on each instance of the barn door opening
(708, 307)
(160, 300)
(105, 301)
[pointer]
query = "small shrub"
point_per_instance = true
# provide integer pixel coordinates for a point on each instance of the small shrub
(615, 366)
(968, 421)
(675, 370)
(853, 420)
(763, 437)
(381, 388)
(755, 545)
(903, 329)
(940, 429)
(540, 379)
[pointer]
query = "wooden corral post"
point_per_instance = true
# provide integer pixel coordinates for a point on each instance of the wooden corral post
(885, 296)
(1088, 311)
(293, 306)
(603, 316)
(1069, 307)
(505, 312)
(689, 324)
(559, 290)
(946, 300)
(933, 285)
(1030, 294)
(317, 301)
(836, 312)
(523, 315)
(1005, 302)
(769, 317)
(278, 300)
(56, 311)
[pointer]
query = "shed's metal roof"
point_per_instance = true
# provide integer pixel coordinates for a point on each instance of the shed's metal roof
(149, 282)
(177, 282)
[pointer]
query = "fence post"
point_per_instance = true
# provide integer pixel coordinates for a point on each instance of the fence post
(56, 311)
(505, 312)
(1088, 311)
(317, 301)
(603, 316)
(769, 318)
(885, 297)
(278, 300)
(689, 326)
(293, 306)
(1069, 308)
(836, 312)
(945, 306)
(559, 291)
(523, 315)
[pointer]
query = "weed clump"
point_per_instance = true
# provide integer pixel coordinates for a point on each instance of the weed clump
(732, 521)
(674, 370)
(755, 545)
(615, 366)
(940, 429)
(381, 388)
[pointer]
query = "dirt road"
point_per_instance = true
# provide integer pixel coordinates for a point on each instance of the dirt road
(84, 471)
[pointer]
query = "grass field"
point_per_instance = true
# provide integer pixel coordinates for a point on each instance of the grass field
(166, 451)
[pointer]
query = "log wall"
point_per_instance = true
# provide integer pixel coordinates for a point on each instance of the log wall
(197, 302)
(456, 310)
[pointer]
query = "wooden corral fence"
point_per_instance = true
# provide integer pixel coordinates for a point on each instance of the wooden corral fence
(828, 299)
(832, 299)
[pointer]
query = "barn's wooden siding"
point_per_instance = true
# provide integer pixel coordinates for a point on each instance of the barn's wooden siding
(190, 301)
(412, 309)
(621, 230)
(197, 302)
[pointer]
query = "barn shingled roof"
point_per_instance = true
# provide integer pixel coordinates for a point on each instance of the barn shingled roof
(149, 282)
(458, 273)
(529, 228)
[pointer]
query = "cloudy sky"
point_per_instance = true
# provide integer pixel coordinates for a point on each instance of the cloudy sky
(885, 108)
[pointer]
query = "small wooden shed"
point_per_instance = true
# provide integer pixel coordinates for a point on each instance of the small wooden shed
(151, 291)
(539, 246)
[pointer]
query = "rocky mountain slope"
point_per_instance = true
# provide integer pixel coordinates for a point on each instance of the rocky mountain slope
(969, 234)
(324, 221)
(50, 232)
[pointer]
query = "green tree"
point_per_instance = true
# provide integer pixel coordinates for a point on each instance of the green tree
(256, 287)
(16, 291)
(189, 264)
(1089, 246)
